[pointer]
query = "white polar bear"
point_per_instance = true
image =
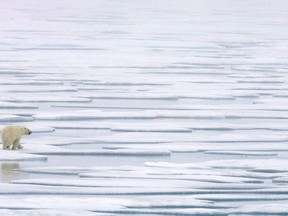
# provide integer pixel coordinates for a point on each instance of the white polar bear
(11, 136)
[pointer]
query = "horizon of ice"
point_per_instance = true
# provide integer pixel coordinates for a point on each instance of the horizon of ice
(145, 107)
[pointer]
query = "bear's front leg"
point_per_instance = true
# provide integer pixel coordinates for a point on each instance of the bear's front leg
(16, 145)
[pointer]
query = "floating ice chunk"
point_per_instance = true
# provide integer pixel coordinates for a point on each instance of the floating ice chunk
(179, 147)
(33, 82)
(10, 155)
(255, 165)
(8, 105)
(146, 94)
(55, 150)
(246, 95)
(282, 180)
(257, 114)
(262, 80)
(188, 147)
(242, 197)
(18, 112)
(48, 99)
(126, 82)
(199, 107)
(173, 211)
(142, 138)
(61, 170)
(200, 177)
(277, 100)
(160, 129)
(223, 126)
(229, 107)
(14, 118)
(40, 89)
(241, 153)
(63, 205)
(205, 177)
(94, 206)
(188, 138)
(173, 202)
(261, 87)
(225, 138)
(131, 96)
(282, 95)
(271, 208)
(92, 114)
(48, 212)
(25, 189)
(58, 141)
(72, 126)
(207, 97)
(188, 114)
(130, 183)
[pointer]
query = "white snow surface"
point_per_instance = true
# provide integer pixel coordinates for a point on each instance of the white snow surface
(145, 107)
(9, 155)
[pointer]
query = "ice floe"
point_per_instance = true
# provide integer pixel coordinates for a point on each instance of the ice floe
(97, 206)
(10, 155)
(9, 105)
(262, 209)
(29, 83)
(244, 149)
(14, 118)
(40, 89)
(242, 153)
(117, 96)
(255, 165)
(122, 127)
(161, 128)
(55, 150)
(48, 99)
(131, 96)
(127, 138)
(96, 114)
(91, 114)
(26, 211)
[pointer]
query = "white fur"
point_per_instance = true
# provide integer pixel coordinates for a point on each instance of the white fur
(11, 136)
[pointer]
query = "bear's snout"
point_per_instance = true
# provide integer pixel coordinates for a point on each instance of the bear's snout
(29, 132)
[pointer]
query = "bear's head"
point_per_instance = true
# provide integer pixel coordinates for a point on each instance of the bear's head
(26, 131)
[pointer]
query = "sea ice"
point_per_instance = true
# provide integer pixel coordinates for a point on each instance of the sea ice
(106, 80)
(9, 105)
(55, 150)
(10, 155)
(14, 118)
(48, 212)
(48, 99)
(91, 115)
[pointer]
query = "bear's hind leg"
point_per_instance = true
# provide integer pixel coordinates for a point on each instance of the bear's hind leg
(7, 143)
(6, 146)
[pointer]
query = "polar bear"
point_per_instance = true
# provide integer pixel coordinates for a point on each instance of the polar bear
(11, 136)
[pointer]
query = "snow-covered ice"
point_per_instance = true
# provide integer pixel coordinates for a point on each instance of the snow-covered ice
(145, 107)
(10, 155)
